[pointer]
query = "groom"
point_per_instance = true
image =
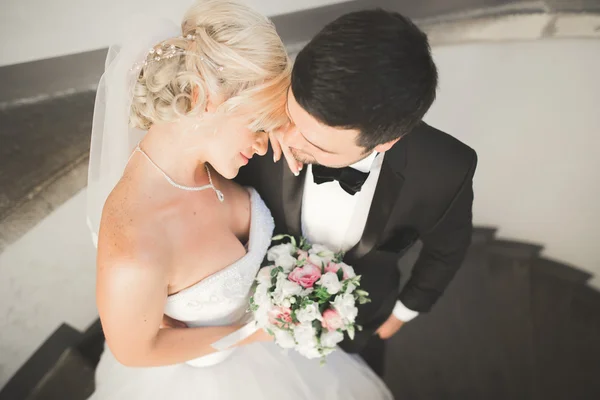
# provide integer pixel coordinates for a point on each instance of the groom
(376, 177)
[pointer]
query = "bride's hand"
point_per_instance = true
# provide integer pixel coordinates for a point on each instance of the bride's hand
(259, 336)
(277, 139)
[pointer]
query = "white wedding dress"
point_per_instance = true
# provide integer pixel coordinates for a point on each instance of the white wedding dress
(258, 371)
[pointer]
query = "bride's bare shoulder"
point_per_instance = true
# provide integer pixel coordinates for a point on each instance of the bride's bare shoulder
(128, 234)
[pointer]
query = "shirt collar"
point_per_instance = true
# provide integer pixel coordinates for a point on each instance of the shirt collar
(366, 163)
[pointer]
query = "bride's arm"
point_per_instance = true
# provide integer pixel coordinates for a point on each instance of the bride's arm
(131, 299)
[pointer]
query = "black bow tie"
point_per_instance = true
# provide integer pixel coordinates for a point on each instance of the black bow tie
(349, 179)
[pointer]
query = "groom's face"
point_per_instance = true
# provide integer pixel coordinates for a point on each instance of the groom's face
(312, 142)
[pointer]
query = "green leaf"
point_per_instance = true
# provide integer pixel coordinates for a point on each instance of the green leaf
(338, 257)
(253, 305)
(283, 236)
(363, 300)
(350, 330)
(270, 332)
(340, 274)
(317, 325)
(300, 263)
(305, 244)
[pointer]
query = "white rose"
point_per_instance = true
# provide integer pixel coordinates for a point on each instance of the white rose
(308, 351)
(285, 289)
(290, 288)
(281, 255)
(261, 295)
(328, 351)
(330, 282)
(320, 255)
(350, 288)
(264, 303)
(344, 304)
(284, 339)
(309, 313)
(331, 339)
(348, 271)
(264, 275)
(262, 316)
(305, 334)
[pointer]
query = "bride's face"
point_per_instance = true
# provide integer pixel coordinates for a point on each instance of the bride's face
(233, 145)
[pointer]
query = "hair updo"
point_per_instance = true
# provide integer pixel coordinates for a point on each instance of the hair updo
(227, 51)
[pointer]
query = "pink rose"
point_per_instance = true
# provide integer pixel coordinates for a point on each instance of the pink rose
(332, 320)
(280, 313)
(305, 276)
(302, 255)
(333, 267)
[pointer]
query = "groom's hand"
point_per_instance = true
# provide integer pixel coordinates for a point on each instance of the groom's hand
(277, 139)
(389, 327)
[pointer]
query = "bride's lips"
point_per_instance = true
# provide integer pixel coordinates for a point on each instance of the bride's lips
(245, 159)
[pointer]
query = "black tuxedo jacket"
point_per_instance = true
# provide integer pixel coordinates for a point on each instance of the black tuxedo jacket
(424, 192)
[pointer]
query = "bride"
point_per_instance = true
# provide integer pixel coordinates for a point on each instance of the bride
(179, 111)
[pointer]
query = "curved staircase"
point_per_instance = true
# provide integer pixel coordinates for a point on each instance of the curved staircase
(512, 325)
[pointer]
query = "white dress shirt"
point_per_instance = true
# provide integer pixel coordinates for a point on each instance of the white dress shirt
(336, 219)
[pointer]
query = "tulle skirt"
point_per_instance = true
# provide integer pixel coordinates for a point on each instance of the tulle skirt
(258, 371)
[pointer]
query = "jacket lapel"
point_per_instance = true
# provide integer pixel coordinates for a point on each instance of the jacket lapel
(292, 191)
(386, 194)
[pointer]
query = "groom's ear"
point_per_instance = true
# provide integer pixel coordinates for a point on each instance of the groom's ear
(386, 146)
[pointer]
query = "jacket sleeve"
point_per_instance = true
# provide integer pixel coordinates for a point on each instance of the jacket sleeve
(444, 250)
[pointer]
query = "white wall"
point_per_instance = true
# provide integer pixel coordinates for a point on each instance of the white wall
(37, 29)
(532, 112)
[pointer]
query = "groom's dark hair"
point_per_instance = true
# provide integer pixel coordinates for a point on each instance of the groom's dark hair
(368, 70)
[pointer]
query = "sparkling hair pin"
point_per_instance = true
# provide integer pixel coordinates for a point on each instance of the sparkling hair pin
(165, 51)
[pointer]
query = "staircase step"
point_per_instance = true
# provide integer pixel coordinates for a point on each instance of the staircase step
(561, 270)
(515, 250)
(71, 378)
(483, 235)
(43, 360)
(551, 296)
(583, 341)
(509, 319)
(425, 354)
(91, 345)
(475, 343)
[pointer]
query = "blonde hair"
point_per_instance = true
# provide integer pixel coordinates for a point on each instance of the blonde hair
(227, 51)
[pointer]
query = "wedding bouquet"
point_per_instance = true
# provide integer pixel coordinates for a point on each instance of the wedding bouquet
(306, 297)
